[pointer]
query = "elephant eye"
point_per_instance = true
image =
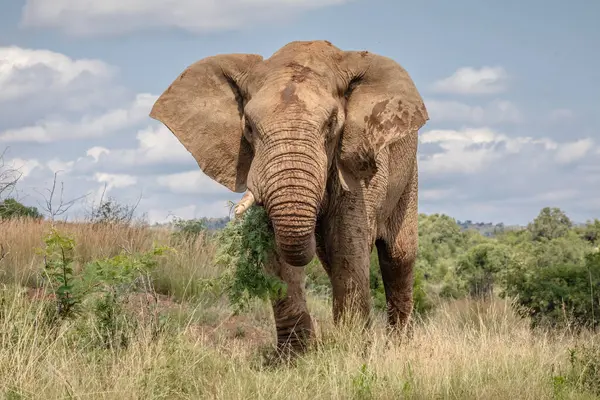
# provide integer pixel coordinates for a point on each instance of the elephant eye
(351, 86)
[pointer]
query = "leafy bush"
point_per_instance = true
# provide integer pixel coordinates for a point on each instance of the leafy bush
(11, 208)
(551, 223)
(480, 265)
(560, 294)
(110, 211)
(245, 246)
(99, 288)
(59, 271)
(188, 230)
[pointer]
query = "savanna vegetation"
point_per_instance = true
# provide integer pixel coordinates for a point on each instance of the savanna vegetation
(114, 308)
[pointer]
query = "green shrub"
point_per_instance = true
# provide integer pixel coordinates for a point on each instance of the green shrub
(11, 208)
(480, 266)
(59, 273)
(245, 246)
(559, 295)
(189, 230)
(99, 288)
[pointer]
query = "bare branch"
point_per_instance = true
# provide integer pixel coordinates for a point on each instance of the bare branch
(109, 211)
(54, 210)
(9, 177)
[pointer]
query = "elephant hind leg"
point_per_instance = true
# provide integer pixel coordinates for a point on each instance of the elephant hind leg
(397, 275)
(397, 252)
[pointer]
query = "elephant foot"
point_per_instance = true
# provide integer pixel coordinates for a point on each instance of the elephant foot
(400, 334)
(286, 352)
(295, 335)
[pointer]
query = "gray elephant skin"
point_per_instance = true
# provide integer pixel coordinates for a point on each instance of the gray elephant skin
(326, 141)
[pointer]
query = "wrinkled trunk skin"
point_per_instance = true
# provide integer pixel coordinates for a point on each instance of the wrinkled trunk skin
(292, 184)
(292, 207)
(294, 222)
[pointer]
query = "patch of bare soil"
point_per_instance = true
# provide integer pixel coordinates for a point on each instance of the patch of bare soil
(234, 328)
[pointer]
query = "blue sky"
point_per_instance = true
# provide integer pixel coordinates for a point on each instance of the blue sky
(511, 88)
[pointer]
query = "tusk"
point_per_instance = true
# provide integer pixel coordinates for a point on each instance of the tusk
(245, 203)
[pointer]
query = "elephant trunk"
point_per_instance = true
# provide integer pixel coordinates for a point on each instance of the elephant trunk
(294, 232)
(293, 190)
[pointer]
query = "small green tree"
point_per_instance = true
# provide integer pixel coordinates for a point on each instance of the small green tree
(59, 262)
(11, 208)
(190, 229)
(480, 266)
(440, 242)
(551, 223)
(591, 232)
(560, 294)
(110, 211)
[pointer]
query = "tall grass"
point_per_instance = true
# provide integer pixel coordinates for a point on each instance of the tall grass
(463, 350)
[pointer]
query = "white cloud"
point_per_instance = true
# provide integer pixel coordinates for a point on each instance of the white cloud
(120, 16)
(56, 165)
(54, 128)
(458, 155)
(573, 151)
(24, 167)
(96, 151)
(501, 178)
(116, 180)
(26, 72)
(191, 182)
(499, 111)
(470, 151)
(468, 80)
(156, 144)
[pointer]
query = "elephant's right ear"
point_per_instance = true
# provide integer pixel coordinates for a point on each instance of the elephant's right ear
(203, 108)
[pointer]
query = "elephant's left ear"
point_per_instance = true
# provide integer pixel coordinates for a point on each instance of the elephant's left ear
(383, 106)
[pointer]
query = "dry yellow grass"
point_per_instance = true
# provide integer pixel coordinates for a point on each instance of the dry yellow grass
(466, 350)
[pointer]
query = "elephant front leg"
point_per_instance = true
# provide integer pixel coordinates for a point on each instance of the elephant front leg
(292, 319)
(346, 259)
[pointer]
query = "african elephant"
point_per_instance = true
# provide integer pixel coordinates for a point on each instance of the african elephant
(326, 141)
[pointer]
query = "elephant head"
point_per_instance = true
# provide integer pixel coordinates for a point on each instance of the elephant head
(282, 128)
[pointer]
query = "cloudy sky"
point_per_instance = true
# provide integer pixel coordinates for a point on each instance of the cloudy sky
(511, 88)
